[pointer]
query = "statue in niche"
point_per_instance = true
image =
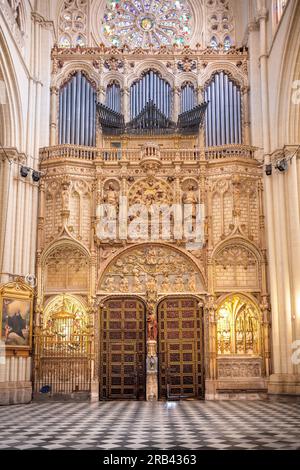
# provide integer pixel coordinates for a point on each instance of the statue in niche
(165, 286)
(189, 197)
(151, 296)
(151, 325)
(124, 285)
(192, 283)
(178, 285)
(109, 284)
(65, 195)
(111, 196)
(137, 284)
(151, 256)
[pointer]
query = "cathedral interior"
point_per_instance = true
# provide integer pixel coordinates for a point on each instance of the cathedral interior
(149, 200)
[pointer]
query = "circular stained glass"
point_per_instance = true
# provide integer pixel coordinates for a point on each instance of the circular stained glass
(147, 24)
(139, 23)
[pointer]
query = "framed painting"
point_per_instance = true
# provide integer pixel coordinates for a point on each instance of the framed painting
(16, 316)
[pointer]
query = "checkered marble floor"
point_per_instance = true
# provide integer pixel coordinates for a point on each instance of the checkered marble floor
(147, 425)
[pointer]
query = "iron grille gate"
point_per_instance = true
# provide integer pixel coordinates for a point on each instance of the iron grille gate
(63, 364)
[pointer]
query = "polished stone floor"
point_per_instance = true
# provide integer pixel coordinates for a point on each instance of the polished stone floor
(141, 425)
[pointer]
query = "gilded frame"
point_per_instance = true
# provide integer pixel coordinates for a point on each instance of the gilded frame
(16, 300)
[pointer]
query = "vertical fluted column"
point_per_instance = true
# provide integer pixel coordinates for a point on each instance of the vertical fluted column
(210, 322)
(99, 134)
(246, 114)
(126, 107)
(176, 103)
(54, 92)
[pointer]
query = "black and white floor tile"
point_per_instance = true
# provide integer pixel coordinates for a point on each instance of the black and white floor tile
(127, 425)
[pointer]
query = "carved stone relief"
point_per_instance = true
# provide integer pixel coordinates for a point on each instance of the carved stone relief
(170, 270)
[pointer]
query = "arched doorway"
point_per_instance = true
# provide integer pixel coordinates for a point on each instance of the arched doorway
(180, 348)
(123, 349)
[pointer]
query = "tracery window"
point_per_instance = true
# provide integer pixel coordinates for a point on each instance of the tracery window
(73, 23)
(141, 23)
(238, 327)
(220, 23)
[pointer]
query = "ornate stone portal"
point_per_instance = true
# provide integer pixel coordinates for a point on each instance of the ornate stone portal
(229, 262)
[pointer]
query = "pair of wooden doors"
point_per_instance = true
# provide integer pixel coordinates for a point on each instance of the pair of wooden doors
(123, 349)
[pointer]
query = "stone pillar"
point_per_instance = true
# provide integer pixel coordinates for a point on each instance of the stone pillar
(151, 370)
(265, 331)
(126, 106)
(176, 106)
(245, 98)
(210, 344)
(54, 91)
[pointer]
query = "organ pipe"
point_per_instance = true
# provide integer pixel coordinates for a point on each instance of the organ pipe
(77, 112)
(151, 87)
(188, 98)
(223, 116)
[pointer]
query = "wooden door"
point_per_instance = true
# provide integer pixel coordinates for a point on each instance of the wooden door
(122, 358)
(180, 349)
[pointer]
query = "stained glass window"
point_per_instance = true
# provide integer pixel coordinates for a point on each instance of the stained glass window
(139, 23)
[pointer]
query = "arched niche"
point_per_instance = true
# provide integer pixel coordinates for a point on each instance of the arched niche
(236, 265)
(238, 326)
(66, 266)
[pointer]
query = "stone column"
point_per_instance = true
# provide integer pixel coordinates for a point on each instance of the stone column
(210, 343)
(53, 115)
(152, 371)
(176, 105)
(245, 98)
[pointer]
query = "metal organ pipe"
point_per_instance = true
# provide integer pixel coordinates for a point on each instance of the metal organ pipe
(223, 116)
(150, 87)
(77, 112)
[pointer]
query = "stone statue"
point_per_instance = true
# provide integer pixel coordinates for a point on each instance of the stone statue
(151, 326)
(111, 196)
(189, 196)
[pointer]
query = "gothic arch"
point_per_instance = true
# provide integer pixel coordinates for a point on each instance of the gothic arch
(11, 134)
(288, 89)
(239, 78)
(236, 264)
(237, 240)
(239, 326)
(188, 77)
(71, 302)
(150, 64)
(65, 266)
(125, 268)
(113, 76)
(62, 241)
(77, 66)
